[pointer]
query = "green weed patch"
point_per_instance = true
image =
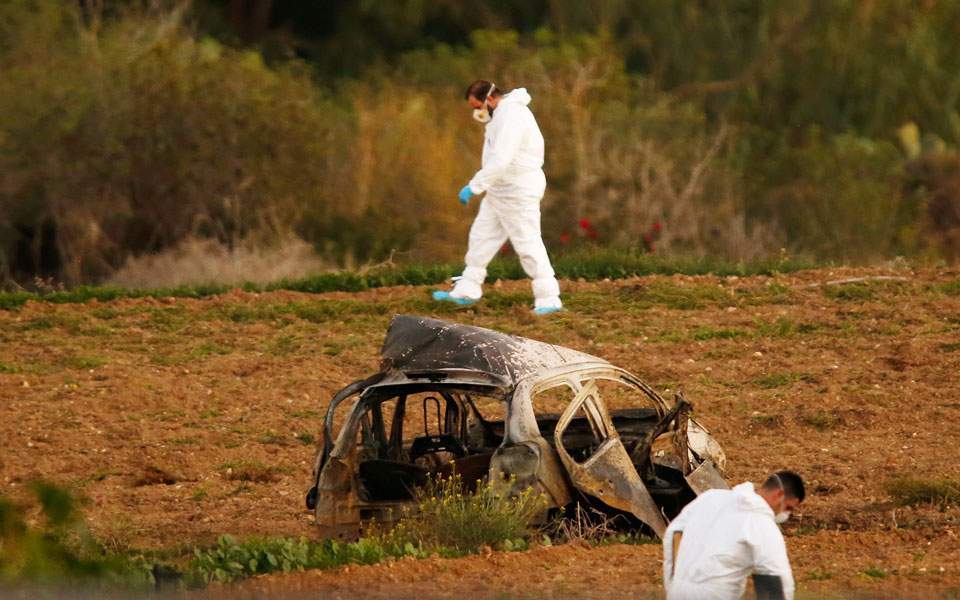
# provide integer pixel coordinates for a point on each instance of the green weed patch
(951, 288)
(850, 292)
(232, 559)
(591, 265)
(59, 550)
(709, 333)
(821, 420)
(912, 491)
(782, 328)
(678, 297)
(775, 380)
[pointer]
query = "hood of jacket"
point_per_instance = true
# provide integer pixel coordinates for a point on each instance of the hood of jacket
(518, 96)
(749, 500)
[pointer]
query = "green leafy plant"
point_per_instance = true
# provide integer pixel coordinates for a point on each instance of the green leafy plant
(232, 559)
(448, 516)
(60, 550)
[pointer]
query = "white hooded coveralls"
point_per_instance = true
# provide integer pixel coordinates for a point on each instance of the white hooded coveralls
(512, 176)
(728, 535)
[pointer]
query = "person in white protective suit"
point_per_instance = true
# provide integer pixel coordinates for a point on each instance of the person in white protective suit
(725, 536)
(512, 177)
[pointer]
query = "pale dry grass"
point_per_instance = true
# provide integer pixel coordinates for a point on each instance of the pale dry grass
(197, 261)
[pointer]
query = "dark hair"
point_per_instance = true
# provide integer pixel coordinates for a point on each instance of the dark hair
(479, 89)
(791, 483)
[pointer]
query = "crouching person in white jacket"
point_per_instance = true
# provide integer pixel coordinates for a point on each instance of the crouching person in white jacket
(725, 536)
(512, 178)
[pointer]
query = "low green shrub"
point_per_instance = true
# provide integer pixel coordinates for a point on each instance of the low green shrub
(775, 380)
(950, 288)
(912, 491)
(59, 550)
(708, 333)
(850, 291)
(449, 517)
(232, 559)
(821, 420)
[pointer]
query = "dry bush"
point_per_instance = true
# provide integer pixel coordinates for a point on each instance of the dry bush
(449, 516)
(937, 174)
(584, 525)
(120, 138)
(200, 261)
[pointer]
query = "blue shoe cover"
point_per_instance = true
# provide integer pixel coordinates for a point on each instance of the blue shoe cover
(441, 296)
(546, 310)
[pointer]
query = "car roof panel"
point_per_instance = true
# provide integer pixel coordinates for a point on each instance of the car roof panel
(424, 344)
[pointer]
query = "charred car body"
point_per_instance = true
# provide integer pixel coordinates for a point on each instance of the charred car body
(452, 397)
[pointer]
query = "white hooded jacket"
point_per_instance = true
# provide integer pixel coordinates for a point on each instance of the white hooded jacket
(512, 165)
(728, 535)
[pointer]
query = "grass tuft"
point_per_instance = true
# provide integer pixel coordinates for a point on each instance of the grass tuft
(875, 573)
(951, 288)
(849, 292)
(821, 420)
(776, 380)
(708, 333)
(782, 328)
(913, 491)
(448, 516)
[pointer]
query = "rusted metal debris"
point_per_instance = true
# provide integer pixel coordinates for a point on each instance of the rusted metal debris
(421, 415)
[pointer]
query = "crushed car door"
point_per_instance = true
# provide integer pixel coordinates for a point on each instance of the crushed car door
(703, 448)
(328, 435)
(607, 473)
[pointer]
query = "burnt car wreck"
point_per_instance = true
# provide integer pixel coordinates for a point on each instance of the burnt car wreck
(452, 397)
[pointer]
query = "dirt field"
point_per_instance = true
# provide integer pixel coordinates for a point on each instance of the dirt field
(161, 411)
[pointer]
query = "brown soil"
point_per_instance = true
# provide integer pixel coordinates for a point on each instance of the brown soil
(180, 420)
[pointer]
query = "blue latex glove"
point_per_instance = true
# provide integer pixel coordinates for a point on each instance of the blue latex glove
(465, 195)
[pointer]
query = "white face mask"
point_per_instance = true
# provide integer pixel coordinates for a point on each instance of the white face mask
(482, 115)
(782, 515)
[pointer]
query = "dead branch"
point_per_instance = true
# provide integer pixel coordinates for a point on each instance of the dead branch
(859, 280)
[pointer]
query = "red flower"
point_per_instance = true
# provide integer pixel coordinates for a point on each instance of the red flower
(657, 226)
(565, 237)
(584, 224)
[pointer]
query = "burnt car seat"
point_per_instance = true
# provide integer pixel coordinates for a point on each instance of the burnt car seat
(432, 444)
(386, 480)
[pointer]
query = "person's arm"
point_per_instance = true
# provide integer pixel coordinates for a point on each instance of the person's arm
(770, 563)
(501, 154)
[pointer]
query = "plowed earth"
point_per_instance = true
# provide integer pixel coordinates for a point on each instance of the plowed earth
(180, 420)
